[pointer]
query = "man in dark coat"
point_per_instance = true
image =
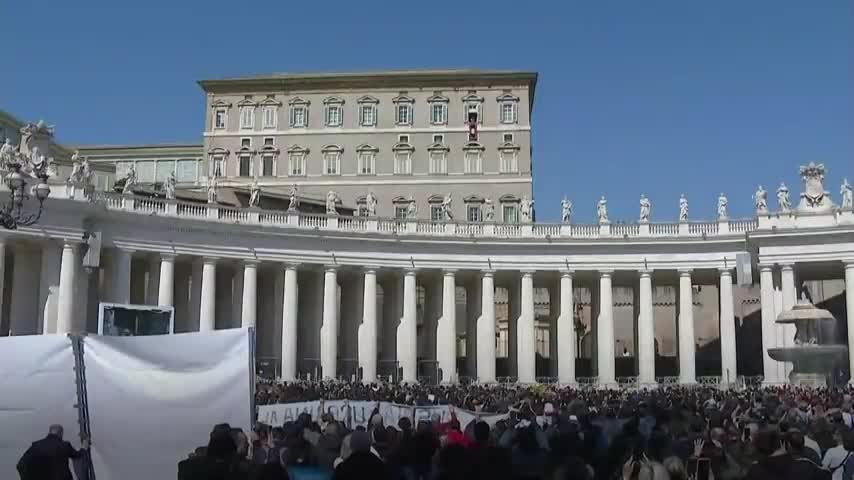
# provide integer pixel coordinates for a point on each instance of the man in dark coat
(47, 459)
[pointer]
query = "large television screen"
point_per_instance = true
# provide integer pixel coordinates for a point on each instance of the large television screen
(122, 320)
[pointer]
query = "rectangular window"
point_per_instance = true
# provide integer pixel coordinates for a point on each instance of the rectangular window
(508, 138)
(437, 213)
(510, 214)
(362, 210)
(404, 114)
(401, 212)
(508, 112)
(186, 171)
(509, 162)
(331, 163)
(403, 139)
(247, 117)
(269, 141)
(267, 166)
(438, 165)
(402, 163)
(245, 166)
(439, 138)
(296, 164)
(299, 116)
(219, 118)
(473, 213)
(270, 117)
(245, 143)
(164, 170)
(472, 163)
(366, 163)
(438, 113)
(473, 113)
(367, 116)
(218, 166)
(333, 115)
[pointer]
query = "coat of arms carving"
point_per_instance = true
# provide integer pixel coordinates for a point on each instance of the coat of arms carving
(814, 196)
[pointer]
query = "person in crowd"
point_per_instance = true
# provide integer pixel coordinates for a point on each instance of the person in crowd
(47, 459)
(841, 456)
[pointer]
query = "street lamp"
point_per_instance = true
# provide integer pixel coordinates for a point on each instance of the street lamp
(12, 215)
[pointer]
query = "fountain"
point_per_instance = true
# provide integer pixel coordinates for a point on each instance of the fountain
(814, 354)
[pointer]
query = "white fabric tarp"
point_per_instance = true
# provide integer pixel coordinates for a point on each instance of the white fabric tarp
(154, 399)
(37, 389)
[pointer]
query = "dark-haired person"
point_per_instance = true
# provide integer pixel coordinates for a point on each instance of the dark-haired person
(835, 458)
(47, 459)
(776, 463)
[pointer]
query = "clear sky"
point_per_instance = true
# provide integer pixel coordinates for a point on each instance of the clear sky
(655, 97)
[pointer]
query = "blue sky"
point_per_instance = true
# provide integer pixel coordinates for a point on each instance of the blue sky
(655, 97)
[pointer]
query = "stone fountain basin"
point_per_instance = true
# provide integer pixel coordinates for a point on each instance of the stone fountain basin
(815, 355)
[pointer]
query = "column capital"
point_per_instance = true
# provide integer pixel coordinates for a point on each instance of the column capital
(787, 266)
(488, 272)
(848, 264)
(527, 272)
(210, 260)
(251, 262)
(645, 272)
(330, 268)
(567, 273)
(168, 256)
(449, 271)
(725, 271)
(685, 271)
(606, 272)
(409, 270)
(765, 266)
(370, 269)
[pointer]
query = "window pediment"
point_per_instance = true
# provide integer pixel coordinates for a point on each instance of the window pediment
(400, 199)
(508, 146)
(403, 98)
(270, 149)
(507, 97)
(247, 102)
(473, 146)
(218, 151)
(297, 149)
(508, 198)
(332, 149)
(270, 101)
(472, 98)
(367, 99)
(220, 103)
(435, 198)
(298, 101)
(438, 147)
(333, 101)
(438, 98)
(367, 148)
(474, 199)
(398, 147)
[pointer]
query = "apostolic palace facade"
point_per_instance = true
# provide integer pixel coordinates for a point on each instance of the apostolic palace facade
(382, 225)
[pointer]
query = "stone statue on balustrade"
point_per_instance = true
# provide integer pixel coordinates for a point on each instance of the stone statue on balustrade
(446, 207)
(412, 209)
(371, 204)
(760, 200)
(565, 210)
(602, 210)
(683, 208)
(814, 197)
(130, 181)
(526, 209)
(645, 208)
(331, 201)
(293, 203)
(488, 210)
(847, 191)
(8, 154)
(783, 198)
(722, 206)
(169, 187)
(212, 186)
(254, 194)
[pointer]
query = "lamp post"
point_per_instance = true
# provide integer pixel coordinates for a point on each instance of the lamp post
(12, 214)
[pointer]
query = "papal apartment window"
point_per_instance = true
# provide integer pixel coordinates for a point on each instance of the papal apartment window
(245, 143)
(403, 163)
(439, 113)
(332, 163)
(473, 114)
(245, 165)
(508, 112)
(296, 164)
(439, 138)
(403, 139)
(508, 138)
(473, 213)
(247, 118)
(401, 212)
(334, 115)
(269, 117)
(437, 213)
(438, 162)
(299, 116)
(510, 212)
(366, 163)
(220, 117)
(218, 166)
(472, 161)
(404, 114)
(368, 115)
(509, 161)
(269, 141)
(267, 165)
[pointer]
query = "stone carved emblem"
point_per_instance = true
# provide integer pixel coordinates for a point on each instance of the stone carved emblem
(814, 195)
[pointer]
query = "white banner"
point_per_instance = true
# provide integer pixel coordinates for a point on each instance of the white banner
(281, 413)
(37, 389)
(162, 395)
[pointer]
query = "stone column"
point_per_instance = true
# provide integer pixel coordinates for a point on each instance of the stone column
(769, 328)
(486, 329)
(49, 285)
(727, 328)
(446, 330)
(407, 330)
(166, 293)
(207, 302)
(368, 329)
(566, 341)
(849, 308)
(646, 330)
(153, 288)
(67, 279)
(2, 276)
(249, 308)
(289, 324)
(526, 335)
(790, 298)
(121, 275)
(329, 327)
(605, 330)
(687, 362)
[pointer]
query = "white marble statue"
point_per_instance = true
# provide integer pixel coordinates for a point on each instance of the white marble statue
(254, 194)
(212, 185)
(683, 208)
(446, 207)
(76, 175)
(722, 206)
(783, 198)
(565, 210)
(760, 200)
(526, 209)
(412, 209)
(846, 192)
(293, 203)
(130, 181)
(8, 153)
(602, 210)
(169, 186)
(371, 204)
(488, 210)
(645, 207)
(331, 200)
